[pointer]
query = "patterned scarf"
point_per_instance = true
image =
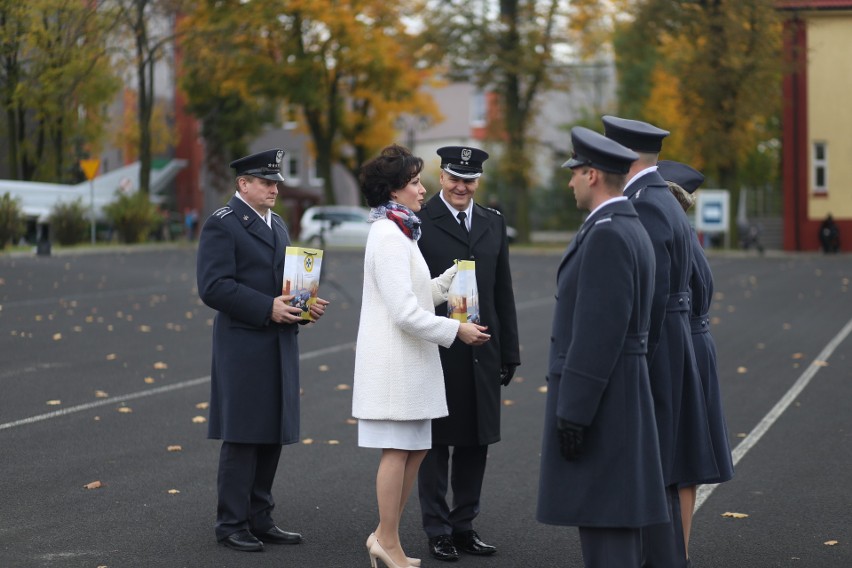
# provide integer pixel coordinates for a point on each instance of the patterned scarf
(405, 219)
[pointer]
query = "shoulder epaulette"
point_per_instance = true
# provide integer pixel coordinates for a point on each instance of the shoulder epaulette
(222, 211)
(494, 211)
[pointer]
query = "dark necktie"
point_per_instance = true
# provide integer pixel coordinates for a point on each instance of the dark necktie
(461, 216)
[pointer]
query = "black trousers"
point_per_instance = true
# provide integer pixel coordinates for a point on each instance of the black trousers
(464, 476)
(662, 545)
(611, 547)
(246, 474)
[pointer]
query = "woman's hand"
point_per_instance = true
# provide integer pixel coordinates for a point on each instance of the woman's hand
(473, 334)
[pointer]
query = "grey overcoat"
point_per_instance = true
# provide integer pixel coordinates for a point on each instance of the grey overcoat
(682, 424)
(598, 378)
(254, 389)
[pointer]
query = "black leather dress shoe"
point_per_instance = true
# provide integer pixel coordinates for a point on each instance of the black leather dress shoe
(469, 542)
(277, 536)
(243, 541)
(442, 548)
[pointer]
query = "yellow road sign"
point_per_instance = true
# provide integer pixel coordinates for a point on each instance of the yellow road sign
(90, 168)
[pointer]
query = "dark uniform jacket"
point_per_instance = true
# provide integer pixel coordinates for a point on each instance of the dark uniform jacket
(685, 444)
(701, 289)
(255, 375)
(598, 378)
(472, 374)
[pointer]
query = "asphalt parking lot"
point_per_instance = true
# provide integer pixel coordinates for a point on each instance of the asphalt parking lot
(104, 375)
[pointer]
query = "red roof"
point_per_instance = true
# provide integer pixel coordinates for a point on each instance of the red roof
(814, 4)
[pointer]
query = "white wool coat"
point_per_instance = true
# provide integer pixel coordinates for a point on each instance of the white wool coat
(398, 373)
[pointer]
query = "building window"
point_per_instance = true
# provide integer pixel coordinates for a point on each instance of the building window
(315, 176)
(478, 109)
(293, 175)
(820, 168)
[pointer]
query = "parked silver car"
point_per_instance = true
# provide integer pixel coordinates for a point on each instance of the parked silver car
(324, 225)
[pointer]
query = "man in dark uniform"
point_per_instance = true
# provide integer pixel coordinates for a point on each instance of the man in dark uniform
(686, 448)
(454, 227)
(254, 401)
(600, 460)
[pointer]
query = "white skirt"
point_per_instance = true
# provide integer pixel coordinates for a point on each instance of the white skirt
(395, 434)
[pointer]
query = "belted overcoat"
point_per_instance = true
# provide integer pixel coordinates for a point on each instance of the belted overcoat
(598, 378)
(682, 424)
(701, 290)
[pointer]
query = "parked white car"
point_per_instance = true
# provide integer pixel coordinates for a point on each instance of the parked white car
(335, 225)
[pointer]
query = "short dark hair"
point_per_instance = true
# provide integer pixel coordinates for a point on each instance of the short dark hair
(614, 181)
(389, 171)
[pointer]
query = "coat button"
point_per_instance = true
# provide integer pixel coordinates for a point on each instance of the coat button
(476, 361)
(552, 340)
(641, 342)
(680, 300)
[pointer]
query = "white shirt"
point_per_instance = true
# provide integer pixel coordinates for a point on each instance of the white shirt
(607, 202)
(638, 175)
(266, 219)
(455, 211)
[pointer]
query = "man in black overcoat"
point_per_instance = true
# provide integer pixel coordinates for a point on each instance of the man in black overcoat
(686, 447)
(600, 458)
(254, 400)
(454, 227)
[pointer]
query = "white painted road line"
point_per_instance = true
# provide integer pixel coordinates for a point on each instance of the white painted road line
(773, 415)
(152, 392)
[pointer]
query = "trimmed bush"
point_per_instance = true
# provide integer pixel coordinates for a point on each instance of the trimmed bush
(69, 223)
(133, 216)
(12, 222)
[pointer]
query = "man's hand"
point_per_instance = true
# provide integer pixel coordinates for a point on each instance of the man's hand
(318, 308)
(570, 439)
(283, 312)
(506, 374)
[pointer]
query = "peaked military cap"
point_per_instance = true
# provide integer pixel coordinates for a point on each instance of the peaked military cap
(462, 161)
(266, 164)
(682, 174)
(597, 151)
(635, 134)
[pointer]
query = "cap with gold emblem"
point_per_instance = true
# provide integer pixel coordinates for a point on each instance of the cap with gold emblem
(462, 161)
(266, 164)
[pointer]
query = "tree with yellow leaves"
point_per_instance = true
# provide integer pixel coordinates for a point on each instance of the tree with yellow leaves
(710, 71)
(346, 65)
(54, 78)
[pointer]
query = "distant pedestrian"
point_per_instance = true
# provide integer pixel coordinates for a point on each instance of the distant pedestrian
(829, 235)
(600, 458)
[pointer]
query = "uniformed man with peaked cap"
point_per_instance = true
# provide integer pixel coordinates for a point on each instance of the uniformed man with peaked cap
(701, 296)
(682, 422)
(455, 227)
(254, 400)
(600, 458)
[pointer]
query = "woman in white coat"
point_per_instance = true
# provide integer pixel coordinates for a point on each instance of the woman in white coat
(399, 386)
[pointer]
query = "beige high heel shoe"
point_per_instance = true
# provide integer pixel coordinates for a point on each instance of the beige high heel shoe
(414, 562)
(376, 551)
